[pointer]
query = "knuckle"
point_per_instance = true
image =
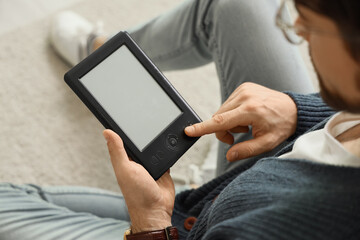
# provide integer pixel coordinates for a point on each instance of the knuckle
(246, 95)
(249, 150)
(246, 84)
(254, 106)
(115, 149)
(250, 107)
(119, 145)
(220, 135)
(111, 151)
(271, 141)
(120, 148)
(219, 119)
(199, 127)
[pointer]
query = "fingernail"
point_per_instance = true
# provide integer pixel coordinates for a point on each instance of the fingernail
(190, 129)
(234, 156)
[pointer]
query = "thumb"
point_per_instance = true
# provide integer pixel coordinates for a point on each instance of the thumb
(250, 148)
(116, 149)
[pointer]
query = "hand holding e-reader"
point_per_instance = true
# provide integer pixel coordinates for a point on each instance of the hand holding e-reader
(129, 95)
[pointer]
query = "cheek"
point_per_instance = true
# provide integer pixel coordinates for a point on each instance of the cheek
(332, 62)
(322, 60)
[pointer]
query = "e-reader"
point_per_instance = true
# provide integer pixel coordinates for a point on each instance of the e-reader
(128, 94)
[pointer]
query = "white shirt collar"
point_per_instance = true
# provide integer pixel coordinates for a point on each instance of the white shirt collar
(322, 146)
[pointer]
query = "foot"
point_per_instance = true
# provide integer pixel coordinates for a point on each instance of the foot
(73, 37)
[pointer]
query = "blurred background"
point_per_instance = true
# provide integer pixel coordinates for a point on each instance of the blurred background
(47, 136)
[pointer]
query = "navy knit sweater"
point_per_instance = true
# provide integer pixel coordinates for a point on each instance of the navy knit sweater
(277, 198)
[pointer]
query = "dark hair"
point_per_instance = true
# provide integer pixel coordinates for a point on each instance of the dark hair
(346, 14)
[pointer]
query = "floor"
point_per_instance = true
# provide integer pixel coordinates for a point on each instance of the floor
(48, 136)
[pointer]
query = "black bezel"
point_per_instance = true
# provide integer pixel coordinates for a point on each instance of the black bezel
(158, 156)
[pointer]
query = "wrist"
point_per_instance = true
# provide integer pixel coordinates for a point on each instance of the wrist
(149, 222)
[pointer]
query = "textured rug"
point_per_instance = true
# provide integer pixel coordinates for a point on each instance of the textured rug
(47, 136)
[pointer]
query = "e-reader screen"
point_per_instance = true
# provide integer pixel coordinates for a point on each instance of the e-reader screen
(130, 95)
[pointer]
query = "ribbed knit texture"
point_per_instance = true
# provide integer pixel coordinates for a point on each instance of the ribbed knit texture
(277, 198)
(311, 111)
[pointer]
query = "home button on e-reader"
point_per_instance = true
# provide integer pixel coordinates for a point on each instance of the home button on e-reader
(154, 160)
(160, 155)
(172, 141)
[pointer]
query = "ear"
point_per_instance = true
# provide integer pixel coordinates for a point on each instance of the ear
(301, 30)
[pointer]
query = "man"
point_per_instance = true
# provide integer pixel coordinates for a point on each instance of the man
(307, 190)
(311, 190)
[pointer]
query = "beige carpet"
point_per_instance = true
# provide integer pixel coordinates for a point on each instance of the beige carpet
(47, 136)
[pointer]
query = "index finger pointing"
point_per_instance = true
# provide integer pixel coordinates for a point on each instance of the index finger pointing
(219, 122)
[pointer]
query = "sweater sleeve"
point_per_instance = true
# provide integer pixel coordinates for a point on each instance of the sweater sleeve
(311, 110)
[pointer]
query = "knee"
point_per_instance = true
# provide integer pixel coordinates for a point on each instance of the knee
(231, 8)
(232, 15)
(238, 9)
(226, 14)
(10, 191)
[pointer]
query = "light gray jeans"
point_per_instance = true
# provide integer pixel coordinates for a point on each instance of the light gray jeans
(238, 35)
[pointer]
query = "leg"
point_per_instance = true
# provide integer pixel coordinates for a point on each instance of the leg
(29, 212)
(247, 46)
(239, 35)
(255, 51)
(101, 203)
(171, 39)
